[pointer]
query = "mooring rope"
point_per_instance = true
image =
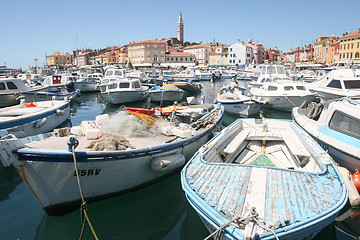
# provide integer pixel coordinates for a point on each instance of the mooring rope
(83, 208)
(252, 217)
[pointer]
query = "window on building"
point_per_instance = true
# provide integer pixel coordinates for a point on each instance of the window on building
(167, 59)
(239, 60)
(357, 55)
(190, 59)
(176, 59)
(185, 59)
(172, 59)
(230, 49)
(351, 55)
(181, 59)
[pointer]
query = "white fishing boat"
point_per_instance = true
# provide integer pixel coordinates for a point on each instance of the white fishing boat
(235, 102)
(116, 88)
(282, 95)
(336, 126)
(264, 179)
(188, 86)
(337, 83)
(166, 93)
(26, 119)
(10, 87)
(149, 151)
(90, 83)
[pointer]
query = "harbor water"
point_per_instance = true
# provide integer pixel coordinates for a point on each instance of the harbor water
(158, 211)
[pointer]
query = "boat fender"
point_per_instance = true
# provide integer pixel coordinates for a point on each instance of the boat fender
(60, 112)
(354, 196)
(40, 123)
(167, 162)
(356, 179)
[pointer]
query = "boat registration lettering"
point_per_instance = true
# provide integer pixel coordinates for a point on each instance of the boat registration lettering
(88, 172)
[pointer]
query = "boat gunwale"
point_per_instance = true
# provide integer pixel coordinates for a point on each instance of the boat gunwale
(44, 155)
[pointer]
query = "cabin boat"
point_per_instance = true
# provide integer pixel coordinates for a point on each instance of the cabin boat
(10, 87)
(31, 118)
(114, 163)
(90, 83)
(282, 95)
(116, 88)
(166, 93)
(235, 102)
(337, 83)
(336, 126)
(264, 179)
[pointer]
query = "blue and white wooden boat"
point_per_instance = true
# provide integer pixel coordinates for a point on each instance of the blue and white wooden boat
(27, 119)
(264, 179)
(336, 126)
(235, 102)
(47, 166)
(166, 93)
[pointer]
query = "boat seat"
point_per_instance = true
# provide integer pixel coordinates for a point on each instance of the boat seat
(234, 145)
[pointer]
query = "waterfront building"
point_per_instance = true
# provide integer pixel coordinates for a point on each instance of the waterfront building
(334, 54)
(105, 59)
(218, 57)
(350, 46)
(179, 59)
(321, 49)
(258, 51)
(147, 53)
(272, 54)
(240, 54)
(180, 29)
(59, 59)
(201, 52)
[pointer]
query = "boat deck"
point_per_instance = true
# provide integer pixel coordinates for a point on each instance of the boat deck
(233, 190)
(60, 143)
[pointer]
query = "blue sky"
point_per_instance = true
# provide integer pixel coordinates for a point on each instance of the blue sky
(33, 28)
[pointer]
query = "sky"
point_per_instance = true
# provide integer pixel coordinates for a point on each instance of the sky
(32, 29)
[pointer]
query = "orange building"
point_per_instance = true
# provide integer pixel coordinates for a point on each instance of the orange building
(59, 59)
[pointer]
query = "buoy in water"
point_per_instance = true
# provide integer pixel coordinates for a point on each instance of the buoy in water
(356, 179)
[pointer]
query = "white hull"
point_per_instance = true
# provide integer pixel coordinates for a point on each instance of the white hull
(166, 96)
(8, 100)
(284, 103)
(51, 177)
(87, 87)
(48, 96)
(242, 108)
(31, 121)
(123, 96)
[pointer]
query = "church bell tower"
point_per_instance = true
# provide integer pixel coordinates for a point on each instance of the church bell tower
(180, 29)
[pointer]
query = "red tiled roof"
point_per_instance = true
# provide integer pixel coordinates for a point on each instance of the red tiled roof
(148, 41)
(355, 33)
(59, 54)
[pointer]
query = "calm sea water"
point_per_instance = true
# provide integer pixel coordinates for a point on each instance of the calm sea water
(159, 211)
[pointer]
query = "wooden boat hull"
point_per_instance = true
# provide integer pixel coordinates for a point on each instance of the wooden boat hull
(51, 177)
(295, 203)
(23, 121)
(118, 97)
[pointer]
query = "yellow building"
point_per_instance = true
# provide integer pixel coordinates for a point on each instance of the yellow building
(105, 59)
(146, 53)
(322, 47)
(59, 59)
(350, 46)
(219, 56)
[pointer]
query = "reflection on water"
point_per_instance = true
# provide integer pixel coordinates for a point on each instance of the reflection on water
(159, 211)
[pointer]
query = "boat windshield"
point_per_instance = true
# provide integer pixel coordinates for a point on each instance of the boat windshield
(124, 85)
(345, 124)
(280, 70)
(335, 84)
(353, 84)
(109, 73)
(271, 69)
(288, 88)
